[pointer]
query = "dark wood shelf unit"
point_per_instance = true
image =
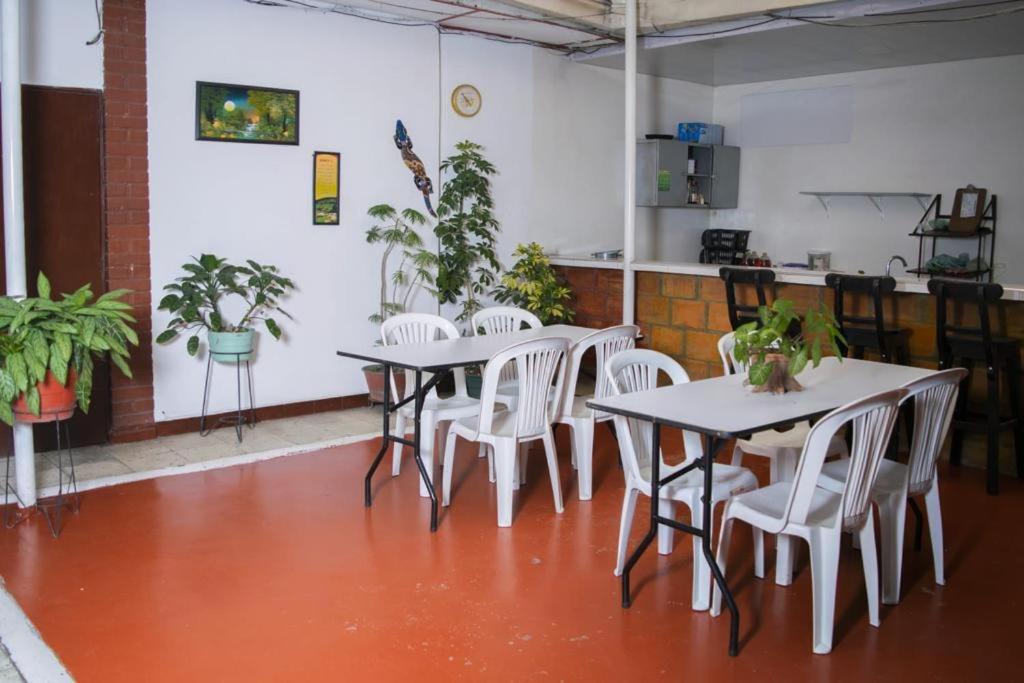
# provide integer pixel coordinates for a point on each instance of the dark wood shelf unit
(985, 235)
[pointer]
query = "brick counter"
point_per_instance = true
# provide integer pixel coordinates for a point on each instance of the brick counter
(684, 316)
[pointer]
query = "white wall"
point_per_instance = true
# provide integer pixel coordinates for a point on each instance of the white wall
(930, 128)
(254, 201)
(552, 128)
(53, 49)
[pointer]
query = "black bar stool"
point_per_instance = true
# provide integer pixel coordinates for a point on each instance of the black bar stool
(868, 332)
(999, 354)
(759, 278)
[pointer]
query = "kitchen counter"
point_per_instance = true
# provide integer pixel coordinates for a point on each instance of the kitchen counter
(796, 276)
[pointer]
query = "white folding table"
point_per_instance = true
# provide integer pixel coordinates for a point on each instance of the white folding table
(438, 357)
(722, 409)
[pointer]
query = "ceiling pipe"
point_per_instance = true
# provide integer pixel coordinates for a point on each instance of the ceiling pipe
(629, 210)
(14, 215)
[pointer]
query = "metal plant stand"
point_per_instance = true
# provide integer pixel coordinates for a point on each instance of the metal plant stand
(67, 486)
(241, 417)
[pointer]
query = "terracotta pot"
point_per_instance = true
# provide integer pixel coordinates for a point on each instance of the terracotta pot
(374, 375)
(779, 382)
(56, 401)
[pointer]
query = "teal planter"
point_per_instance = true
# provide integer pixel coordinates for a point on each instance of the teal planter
(229, 347)
(473, 383)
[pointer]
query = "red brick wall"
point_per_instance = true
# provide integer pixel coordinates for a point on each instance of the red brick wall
(684, 316)
(126, 170)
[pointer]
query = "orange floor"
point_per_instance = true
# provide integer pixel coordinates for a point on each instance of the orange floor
(275, 571)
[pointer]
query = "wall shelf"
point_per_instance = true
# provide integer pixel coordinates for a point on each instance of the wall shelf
(874, 197)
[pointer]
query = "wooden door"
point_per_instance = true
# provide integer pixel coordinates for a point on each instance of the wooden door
(62, 137)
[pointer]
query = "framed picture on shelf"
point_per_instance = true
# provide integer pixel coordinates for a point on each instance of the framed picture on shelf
(326, 187)
(226, 112)
(968, 209)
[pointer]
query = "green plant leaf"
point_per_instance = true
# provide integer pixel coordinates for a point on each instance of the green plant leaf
(19, 371)
(193, 345)
(43, 286)
(32, 399)
(273, 328)
(59, 366)
(166, 336)
(122, 365)
(7, 413)
(8, 387)
(759, 373)
(798, 363)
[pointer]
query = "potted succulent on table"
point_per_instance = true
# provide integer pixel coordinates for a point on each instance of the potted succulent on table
(48, 347)
(194, 300)
(774, 356)
(416, 266)
(532, 284)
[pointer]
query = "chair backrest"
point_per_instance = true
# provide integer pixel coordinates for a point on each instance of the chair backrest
(539, 364)
(731, 365)
(419, 328)
(504, 320)
(872, 418)
(636, 370)
(606, 343)
(760, 278)
(872, 286)
(980, 294)
(934, 399)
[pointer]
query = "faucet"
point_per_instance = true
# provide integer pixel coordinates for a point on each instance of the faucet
(895, 257)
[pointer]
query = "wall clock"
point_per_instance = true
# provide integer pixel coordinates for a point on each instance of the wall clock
(466, 100)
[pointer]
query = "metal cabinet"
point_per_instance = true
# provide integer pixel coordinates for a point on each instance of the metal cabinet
(664, 178)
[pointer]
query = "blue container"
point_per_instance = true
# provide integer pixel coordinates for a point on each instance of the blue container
(703, 133)
(231, 347)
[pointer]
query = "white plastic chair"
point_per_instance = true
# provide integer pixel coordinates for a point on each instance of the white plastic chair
(417, 328)
(637, 370)
(781, 448)
(538, 362)
(575, 413)
(800, 508)
(934, 398)
(504, 320)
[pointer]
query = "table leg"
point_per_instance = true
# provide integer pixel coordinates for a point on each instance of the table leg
(653, 530)
(416, 449)
(713, 445)
(385, 436)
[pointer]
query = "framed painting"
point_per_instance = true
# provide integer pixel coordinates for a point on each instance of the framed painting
(246, 113)
(326, 187)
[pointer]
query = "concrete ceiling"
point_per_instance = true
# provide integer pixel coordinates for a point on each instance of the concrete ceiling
(811, 50)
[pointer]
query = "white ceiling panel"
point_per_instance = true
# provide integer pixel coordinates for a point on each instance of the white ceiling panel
(551, 34)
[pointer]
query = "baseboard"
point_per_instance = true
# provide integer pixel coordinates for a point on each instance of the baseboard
(323, 405)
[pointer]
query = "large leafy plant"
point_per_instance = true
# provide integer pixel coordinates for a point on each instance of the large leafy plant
(761, 344)
(467, 230)
(531, 283)
(194, 299)
(39, 334)
(416, 266)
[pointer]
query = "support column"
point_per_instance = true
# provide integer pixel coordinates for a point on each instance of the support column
(629, 232)
(14, 215)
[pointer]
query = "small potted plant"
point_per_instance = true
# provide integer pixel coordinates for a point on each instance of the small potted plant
(775, 355)
(48, 348)
(194, 302)
(416, 265)
(531, 284)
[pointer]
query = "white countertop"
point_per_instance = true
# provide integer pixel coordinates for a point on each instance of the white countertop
(796, 276)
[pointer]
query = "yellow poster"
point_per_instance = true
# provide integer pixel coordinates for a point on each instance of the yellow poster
(326, 181)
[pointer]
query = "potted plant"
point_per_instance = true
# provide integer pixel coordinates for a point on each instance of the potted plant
(396, 231)
(467, 230)
(194, 300)
(774, 355)
(48, 349)
(531, 284)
